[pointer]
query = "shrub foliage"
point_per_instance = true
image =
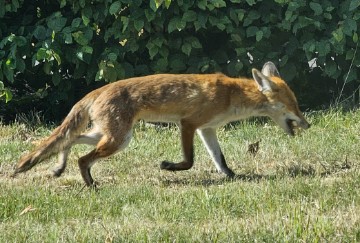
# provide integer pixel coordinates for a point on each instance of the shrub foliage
(52, 52)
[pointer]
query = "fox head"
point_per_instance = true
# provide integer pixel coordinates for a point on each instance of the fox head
(281, 105)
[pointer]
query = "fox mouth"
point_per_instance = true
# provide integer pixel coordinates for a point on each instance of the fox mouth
(291, 124)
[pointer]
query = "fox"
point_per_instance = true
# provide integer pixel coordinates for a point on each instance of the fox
(197, 103)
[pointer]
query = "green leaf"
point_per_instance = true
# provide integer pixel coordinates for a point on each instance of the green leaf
(251, 31)
(284, 59)
(40, 32)
(20, 40)
(202, 4)
(355, 37)
(80, 38)
(20, 64)
(350, 54)
(82, 3)
(354, 4)
(350, 26)
(99, 75)
(164, 51)
(10, 63)
(154, 5)
(56, 23)
(153, 49)
(316, 7)
(201, 21)
(158, 41)
(253, 15)
(47, 67)
(15, 4)
(176, 23)
(351, 75)
(236, 37)
(115, 7)
(234, 17)
(177, 65)
(218, 3)
(9, 74)
(56, 78)
(57, 58)
(76, 22)
(62, 3)
(150, 15)
(186, 48)
(68, 38)
(41, 54)
(195, 43)
(161, 65)
(323, 48)
(167, 3)
(139, 24)
(330, 69)
(234, 68)
(250, 2)
(112, 56)
(8, 95)
(80, 55)
(110, 73)
(327, 16)
(85, 20)
(189, 16)
(125, 22)
(5, 92)
(338, 35)
(259, 35)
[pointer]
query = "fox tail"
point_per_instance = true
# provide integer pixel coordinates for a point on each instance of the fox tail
(62, 137)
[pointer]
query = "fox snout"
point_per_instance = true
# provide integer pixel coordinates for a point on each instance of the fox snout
(291, 124)
(304, 124)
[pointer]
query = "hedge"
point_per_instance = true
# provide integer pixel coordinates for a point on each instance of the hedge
(52, 52)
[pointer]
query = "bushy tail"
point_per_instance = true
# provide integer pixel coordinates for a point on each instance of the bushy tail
(63, 136)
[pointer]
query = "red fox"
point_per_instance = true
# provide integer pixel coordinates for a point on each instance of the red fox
(196, 102)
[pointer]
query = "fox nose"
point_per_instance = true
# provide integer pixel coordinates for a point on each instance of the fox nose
(305, 125)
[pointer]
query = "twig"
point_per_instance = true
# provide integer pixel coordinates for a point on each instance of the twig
(77, 194)
(347, 75)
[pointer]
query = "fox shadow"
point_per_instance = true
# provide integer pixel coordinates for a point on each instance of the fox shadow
(291, 172)
(217, 181)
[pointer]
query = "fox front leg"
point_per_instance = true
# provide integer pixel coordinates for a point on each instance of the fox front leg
(187, 142)
(209, 138)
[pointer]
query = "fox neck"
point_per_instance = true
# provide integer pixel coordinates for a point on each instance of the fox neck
(247, 100)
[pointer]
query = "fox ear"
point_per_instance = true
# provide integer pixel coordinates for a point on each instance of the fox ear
(269, 69)
(264, 84)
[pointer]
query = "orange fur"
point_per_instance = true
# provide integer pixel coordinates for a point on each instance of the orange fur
(196, 102)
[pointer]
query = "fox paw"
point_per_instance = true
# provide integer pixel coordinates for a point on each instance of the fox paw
(166, 165)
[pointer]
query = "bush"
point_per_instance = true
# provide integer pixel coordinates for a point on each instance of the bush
(51, 53)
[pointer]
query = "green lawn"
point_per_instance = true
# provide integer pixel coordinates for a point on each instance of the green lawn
(302, 189)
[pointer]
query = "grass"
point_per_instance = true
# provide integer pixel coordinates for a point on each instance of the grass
(302, 189)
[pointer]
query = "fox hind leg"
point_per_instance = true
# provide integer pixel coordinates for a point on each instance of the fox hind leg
(62, 161)
(107, 146)
(91, 138)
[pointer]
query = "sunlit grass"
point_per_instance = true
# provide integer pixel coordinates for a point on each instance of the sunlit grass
(295, 189)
